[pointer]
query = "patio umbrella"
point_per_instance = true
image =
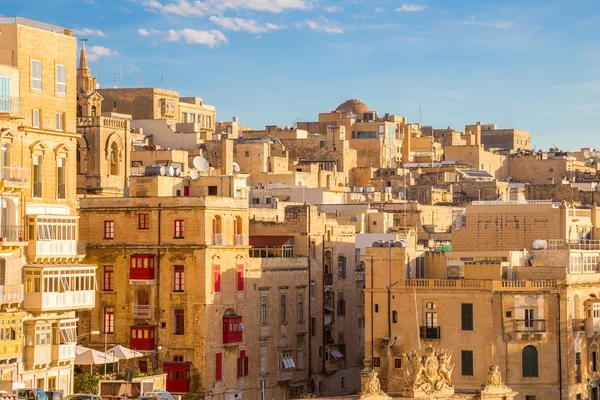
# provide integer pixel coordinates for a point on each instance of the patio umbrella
(91, 357)
(123, 353)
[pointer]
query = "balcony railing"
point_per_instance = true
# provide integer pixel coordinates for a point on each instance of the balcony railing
(12, 233)
(142, 311)
(38, 355)
(285, 375)
(52, 248)
(81, 247)
(328, 278)
(13, 106)
(241, 240)
(11, 293)
(530, 325)
(218, 239)
(578, 325)
(61, 191)
(15, 175)
(431, 332)
(63, 351)
(52, 301)
(272, 251)
(37, 189)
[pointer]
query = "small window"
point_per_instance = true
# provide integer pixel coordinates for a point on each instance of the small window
(397, 363)
(246, 154)
(376, 362)
(395, 316)
(60, 121)
(466, 362)
(178, 227)
(376, 308)
(551, 170)
(36, 74)
(143, 221)
(430, 306)
(509, 314)
(61, 79)
(35, 118)
(466, 316)
(109, 230)
(530, 362)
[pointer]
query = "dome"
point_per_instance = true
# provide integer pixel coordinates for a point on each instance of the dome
(353, 106)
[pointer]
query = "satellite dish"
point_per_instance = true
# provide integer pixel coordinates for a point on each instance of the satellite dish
(201, 163)
(363, 197)
(194, 175)
(236, 167)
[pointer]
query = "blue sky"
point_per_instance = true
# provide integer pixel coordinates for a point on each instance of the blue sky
(527, 64)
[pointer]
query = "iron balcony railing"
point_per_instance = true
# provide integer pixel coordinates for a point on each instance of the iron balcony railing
(15, 174)
(431, 332)
(11, 105)
(12, 233)
(61, 191)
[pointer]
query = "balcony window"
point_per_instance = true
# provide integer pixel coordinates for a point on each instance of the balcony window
(43, 335)
(142, 337)
(109, 230)
(178, 226)
(61, 79)
(232, 329)
(141, 267)
(530, 362)
(37, 176)
(109, 320)
(218, 366)
(143, 221)
(60, 178)
(36, 74)
(242, 364)
(263, 310)
(286, 360)
(178, 278)
(108, 278)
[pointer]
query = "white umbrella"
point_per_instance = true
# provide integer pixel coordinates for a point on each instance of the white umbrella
(87, 356)
(124, 353)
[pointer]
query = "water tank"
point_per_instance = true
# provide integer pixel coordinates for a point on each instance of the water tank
(170, 171)
(178, 172)
(155, 170)
(539, 244)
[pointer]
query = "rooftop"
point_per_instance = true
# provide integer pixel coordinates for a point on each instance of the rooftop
(353, 106)
(34, 24)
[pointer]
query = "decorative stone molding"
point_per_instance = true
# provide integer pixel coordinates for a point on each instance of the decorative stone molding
(428, 374)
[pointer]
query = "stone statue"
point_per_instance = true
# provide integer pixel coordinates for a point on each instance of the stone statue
(494, 382)
(428, 374)
(373, 387)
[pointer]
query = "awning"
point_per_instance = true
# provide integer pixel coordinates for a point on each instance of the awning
(288, 363)
(335, 353)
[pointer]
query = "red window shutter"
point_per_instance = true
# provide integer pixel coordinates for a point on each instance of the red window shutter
(239, 367)
(218, 366)
(217, 278)
(246, 366)
(186, 191)
(240, 277)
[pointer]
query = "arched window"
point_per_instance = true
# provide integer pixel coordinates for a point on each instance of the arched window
(79, 111)
(237, 231)
(93, 111)
(530, 362)
(143, 297)
(114, 159)
(217, 230)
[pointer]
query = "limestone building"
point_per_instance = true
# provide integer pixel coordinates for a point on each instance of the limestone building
(42, 283)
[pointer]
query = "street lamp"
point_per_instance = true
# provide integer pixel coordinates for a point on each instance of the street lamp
(87, 334)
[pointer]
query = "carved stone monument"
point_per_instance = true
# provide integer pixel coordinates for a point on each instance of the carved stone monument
(372, 388)
(428, 375)
(494, 388)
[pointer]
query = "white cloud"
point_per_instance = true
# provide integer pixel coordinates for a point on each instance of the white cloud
(88, 32)
(379, 9)
(487, 24)
(246, 25)
(198, 8)
(95, 52)
(324, 25)
(209, 38)
(410, 8)
(334, 9)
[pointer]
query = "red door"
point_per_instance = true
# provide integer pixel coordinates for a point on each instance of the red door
(178, 376)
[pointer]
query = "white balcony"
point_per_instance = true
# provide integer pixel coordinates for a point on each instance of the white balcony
(38, 355)
(143, 311)
(241, 240)
(11, 293)
(14, 176)
(54, 248)
(63, 352)
(218, 239)
(59, 287)
(52, 238)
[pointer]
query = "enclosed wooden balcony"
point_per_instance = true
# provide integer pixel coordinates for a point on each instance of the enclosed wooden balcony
(59, 287)
(53, 239)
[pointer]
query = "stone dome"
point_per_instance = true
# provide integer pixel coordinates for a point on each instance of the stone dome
(353, 106)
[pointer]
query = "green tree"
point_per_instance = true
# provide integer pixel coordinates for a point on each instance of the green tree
(85, 383)
(195, 392)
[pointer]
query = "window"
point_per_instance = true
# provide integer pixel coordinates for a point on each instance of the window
(263, 359)
(143, 366)
(61, 79)
(466, 357)
(216, 278)
(431, 319)
(376, 308)
(178, 278)
(242, 364)
(341, 305)
(240, 277)
(109, 230)
(36, 74)
(263, 310)
(179, 322)
(313, 326)
(529, 318)
(246, 154)
(51, 383)
(108, 283)
(37, 176)
(313, 289)
(61, 187)
(529, 397)
(341, 267)
(143, 221)
(177, 357)
(466, 310)
(530, 362)
(35, 118)
(397, 363)
(342, 382)
(283, 308)
(178, 229)
(60, 121)
(395, 316)
(594, 361)
(376, 362)
(218, 366)
(300, 307)
(109, 320)
(141, 267)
